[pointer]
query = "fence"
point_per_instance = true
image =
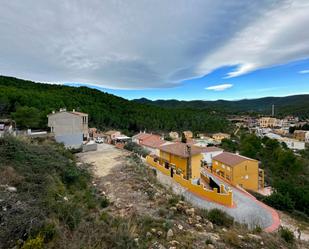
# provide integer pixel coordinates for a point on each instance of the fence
(224, 197)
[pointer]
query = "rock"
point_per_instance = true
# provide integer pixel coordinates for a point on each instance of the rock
(262, 243)
(209, 226)
(190, 212)
(210, 246)
(198, 218)
(254, 236)
(180, 227)
(181, 203)
(220, 245)
(172, 247)
(199, 226)
(179, 207)
(174, 209)
(240, 236)
(159, 233)
(224, 230)
(153, 230)
(169, 234)
(174, 242)
(65, 198)
(148, 234)
(11, 189)
(157, 245)
(190, 221)
(212, 237)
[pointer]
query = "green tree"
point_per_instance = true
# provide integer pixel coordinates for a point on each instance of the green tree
(27, 117)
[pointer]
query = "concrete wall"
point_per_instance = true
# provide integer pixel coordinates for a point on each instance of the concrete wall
(90, 147)
(71, 140)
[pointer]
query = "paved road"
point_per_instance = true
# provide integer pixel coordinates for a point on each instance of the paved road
(247, 209)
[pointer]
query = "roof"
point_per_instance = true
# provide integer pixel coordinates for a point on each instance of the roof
(231, 159)
(111, 132)
(211, 149)
(79, 113)
(153, 142)
(180, 149)
(143, 136)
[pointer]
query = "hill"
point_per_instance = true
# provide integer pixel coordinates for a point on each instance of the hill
(291, 105)
(29, 103)
(49, 199)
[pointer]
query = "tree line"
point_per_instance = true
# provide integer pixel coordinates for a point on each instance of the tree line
(29, 103)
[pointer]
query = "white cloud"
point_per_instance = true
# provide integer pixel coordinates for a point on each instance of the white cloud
(146, 44)
(304, 71)
(219, 87)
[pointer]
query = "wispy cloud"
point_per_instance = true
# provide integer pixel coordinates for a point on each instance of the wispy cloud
(95, 45)
(304, 71)
(221, 87)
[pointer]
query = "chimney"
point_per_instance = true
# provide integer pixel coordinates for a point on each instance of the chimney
(189, 168)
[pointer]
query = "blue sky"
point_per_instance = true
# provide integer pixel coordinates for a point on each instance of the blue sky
(288, 79)
(160, 49)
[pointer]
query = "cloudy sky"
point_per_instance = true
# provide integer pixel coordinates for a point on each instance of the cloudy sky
(183, 49)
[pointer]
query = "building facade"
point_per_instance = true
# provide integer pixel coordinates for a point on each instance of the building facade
(239, 170)
(70, 128)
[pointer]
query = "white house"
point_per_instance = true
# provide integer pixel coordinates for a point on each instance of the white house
(70, 128)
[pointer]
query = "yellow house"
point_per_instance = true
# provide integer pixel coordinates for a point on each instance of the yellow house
(219, 136)
(185, 159)
(239, 170)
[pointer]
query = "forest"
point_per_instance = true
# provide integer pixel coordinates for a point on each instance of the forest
(28, 103)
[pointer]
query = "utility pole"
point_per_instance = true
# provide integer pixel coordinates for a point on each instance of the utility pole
(189, 168)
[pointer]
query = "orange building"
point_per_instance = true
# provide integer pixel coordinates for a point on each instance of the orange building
(239, 170)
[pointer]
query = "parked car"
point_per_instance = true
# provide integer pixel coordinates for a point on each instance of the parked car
(99, 140)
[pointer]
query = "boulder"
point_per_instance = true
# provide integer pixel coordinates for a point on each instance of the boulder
(190, 212)
(209, 226)
(169, 234)
(180, 227)
(254, 236)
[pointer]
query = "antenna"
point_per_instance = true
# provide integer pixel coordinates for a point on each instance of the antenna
(273, 110)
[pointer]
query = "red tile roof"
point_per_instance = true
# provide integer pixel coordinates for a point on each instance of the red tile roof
(231, 159)
(211, 149)
(153, 142)
(180, 149)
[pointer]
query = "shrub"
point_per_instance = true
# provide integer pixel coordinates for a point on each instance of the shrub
(220, 217)
(231, 238)
(34, 243)
(104, 202)
(280, 201)
(286, 234)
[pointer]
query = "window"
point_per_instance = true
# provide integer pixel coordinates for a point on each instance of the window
(246, 177)
(228, 168)
(246, 168)
(216, 163)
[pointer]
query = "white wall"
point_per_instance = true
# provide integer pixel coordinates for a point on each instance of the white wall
(207, 156)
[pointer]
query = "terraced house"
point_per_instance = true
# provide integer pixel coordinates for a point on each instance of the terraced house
(239, 170)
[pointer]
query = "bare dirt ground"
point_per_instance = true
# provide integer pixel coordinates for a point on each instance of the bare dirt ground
(294, 225)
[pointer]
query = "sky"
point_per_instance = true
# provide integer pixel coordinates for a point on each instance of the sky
(176, 49)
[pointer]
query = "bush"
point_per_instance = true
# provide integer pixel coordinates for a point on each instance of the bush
(286, 234)
(104, 202)
(280, 201)
(136, 149)
(36, 243)
(220, 218)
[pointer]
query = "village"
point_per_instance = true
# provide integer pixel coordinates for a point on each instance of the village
(195, 167)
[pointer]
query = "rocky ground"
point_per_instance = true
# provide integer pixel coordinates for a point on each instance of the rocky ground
(134, 193)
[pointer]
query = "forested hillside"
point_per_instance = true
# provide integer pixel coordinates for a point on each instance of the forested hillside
(291, 105)
(29, 103)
